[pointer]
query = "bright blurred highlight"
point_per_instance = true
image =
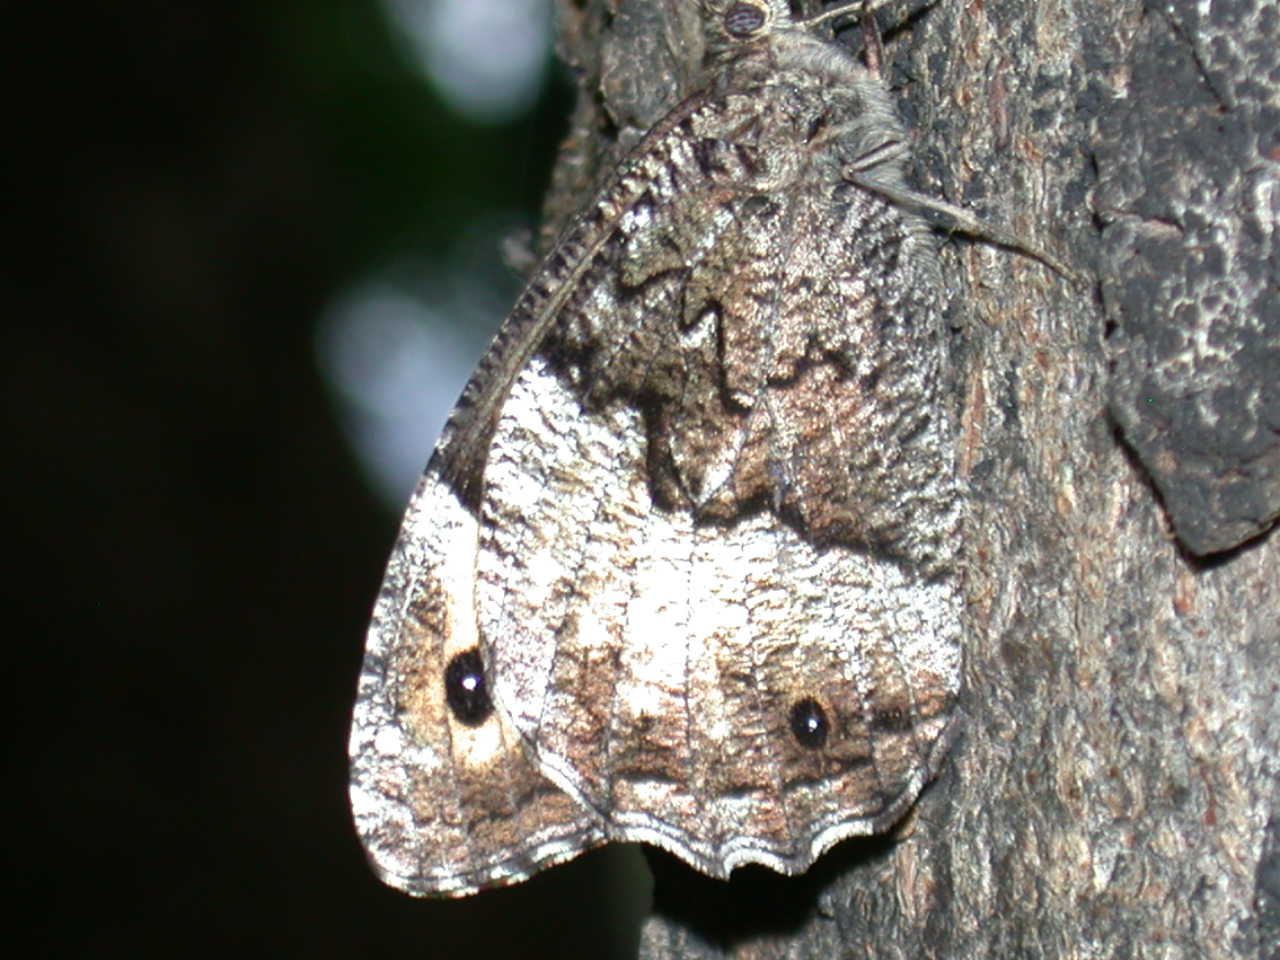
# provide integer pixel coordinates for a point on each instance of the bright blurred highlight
(486, 57)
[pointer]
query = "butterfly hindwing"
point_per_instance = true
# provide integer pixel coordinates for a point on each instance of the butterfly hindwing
(721, 495)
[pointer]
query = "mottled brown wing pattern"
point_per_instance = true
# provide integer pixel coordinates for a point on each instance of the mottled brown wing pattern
(694, 524)
(444, 797)
(747, 508)
(730, 692)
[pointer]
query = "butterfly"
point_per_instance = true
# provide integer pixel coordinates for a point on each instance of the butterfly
(682, 568)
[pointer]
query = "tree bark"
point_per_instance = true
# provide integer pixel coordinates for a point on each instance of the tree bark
(1113, 791)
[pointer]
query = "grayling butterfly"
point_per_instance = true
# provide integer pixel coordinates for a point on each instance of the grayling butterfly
(682, 568)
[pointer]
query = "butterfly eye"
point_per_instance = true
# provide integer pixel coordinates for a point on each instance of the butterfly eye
(743, 19)
(809, 723)
(465, 689)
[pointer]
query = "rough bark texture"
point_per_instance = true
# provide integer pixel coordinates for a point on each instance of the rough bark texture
(1113, 793)
(1189, 201)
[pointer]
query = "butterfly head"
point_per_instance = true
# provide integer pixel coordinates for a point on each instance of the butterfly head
(732, 23)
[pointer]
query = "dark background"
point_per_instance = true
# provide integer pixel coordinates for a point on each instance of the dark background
(193, 549)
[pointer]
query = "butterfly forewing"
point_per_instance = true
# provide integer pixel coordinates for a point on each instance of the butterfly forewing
(444, 797)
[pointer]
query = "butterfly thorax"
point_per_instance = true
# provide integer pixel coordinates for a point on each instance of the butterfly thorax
(822, 97)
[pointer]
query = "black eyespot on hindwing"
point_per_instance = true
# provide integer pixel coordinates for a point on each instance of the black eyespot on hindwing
(809, 723)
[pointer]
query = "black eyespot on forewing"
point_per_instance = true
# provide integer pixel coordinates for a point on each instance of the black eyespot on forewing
(809, 724)
(466, 690)
(743, 19)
